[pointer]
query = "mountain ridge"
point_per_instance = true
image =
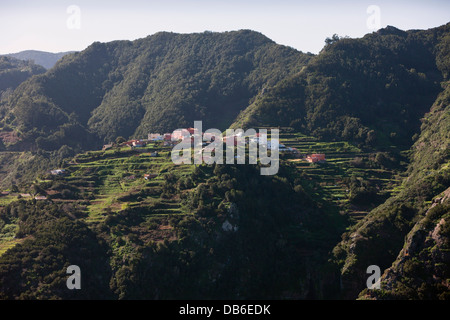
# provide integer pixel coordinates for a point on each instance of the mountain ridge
(371, 90)
(158, 83)
(43, 58)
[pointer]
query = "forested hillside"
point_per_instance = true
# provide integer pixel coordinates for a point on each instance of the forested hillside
(155, 84)
(13, 72)
(372, 90)
(381, 235)
(239, 235)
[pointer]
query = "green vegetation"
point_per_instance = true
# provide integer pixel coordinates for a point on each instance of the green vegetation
(377, 107)
(371, 91)
(179, 229)
(353, 180)
(13, 72)
(155, 84)
(421, 270)
(380, 236)
(52, 242)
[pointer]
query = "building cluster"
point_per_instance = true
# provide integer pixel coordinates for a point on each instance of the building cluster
(177, 135)
(171, 139)
(130, 143)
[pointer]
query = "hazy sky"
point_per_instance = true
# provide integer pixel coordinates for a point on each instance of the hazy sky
(73, 25)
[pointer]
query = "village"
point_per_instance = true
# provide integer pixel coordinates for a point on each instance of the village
(157, 144)
(179, 135)
(240, 142)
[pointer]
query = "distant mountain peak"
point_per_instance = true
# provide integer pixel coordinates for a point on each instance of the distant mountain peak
(45, 59)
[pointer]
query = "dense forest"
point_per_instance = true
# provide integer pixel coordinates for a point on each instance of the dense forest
(379, 105)
(278, 240)
(381, 235)
(372, 90)
(13, 72)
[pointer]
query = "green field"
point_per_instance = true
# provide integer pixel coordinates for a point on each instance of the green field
(115, 180)
(329, 177)
(7, 239)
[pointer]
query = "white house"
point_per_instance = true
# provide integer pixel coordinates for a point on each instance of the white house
(155, 137)
(58, 172)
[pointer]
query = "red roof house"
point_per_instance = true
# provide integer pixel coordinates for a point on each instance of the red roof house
(315, 157)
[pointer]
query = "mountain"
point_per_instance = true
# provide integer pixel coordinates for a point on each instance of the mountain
(372, 90)
(192, 232)
(421, 271)
(45, 59)
(155, 84)
(13, 72)
(378, 106)
(380, 237)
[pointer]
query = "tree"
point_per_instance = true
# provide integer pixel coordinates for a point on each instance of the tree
(37, 190)
(120, 140)
(333, 39)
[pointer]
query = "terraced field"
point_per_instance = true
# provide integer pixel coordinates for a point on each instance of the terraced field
(330, 175)
(110, 182)
(114, 180)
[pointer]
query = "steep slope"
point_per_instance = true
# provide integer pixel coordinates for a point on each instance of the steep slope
(234, 234)
(13, 72)
(376, 91)
(45, 59)
(371, 90)
(421, 270)
(379, 237)
(158, 83)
